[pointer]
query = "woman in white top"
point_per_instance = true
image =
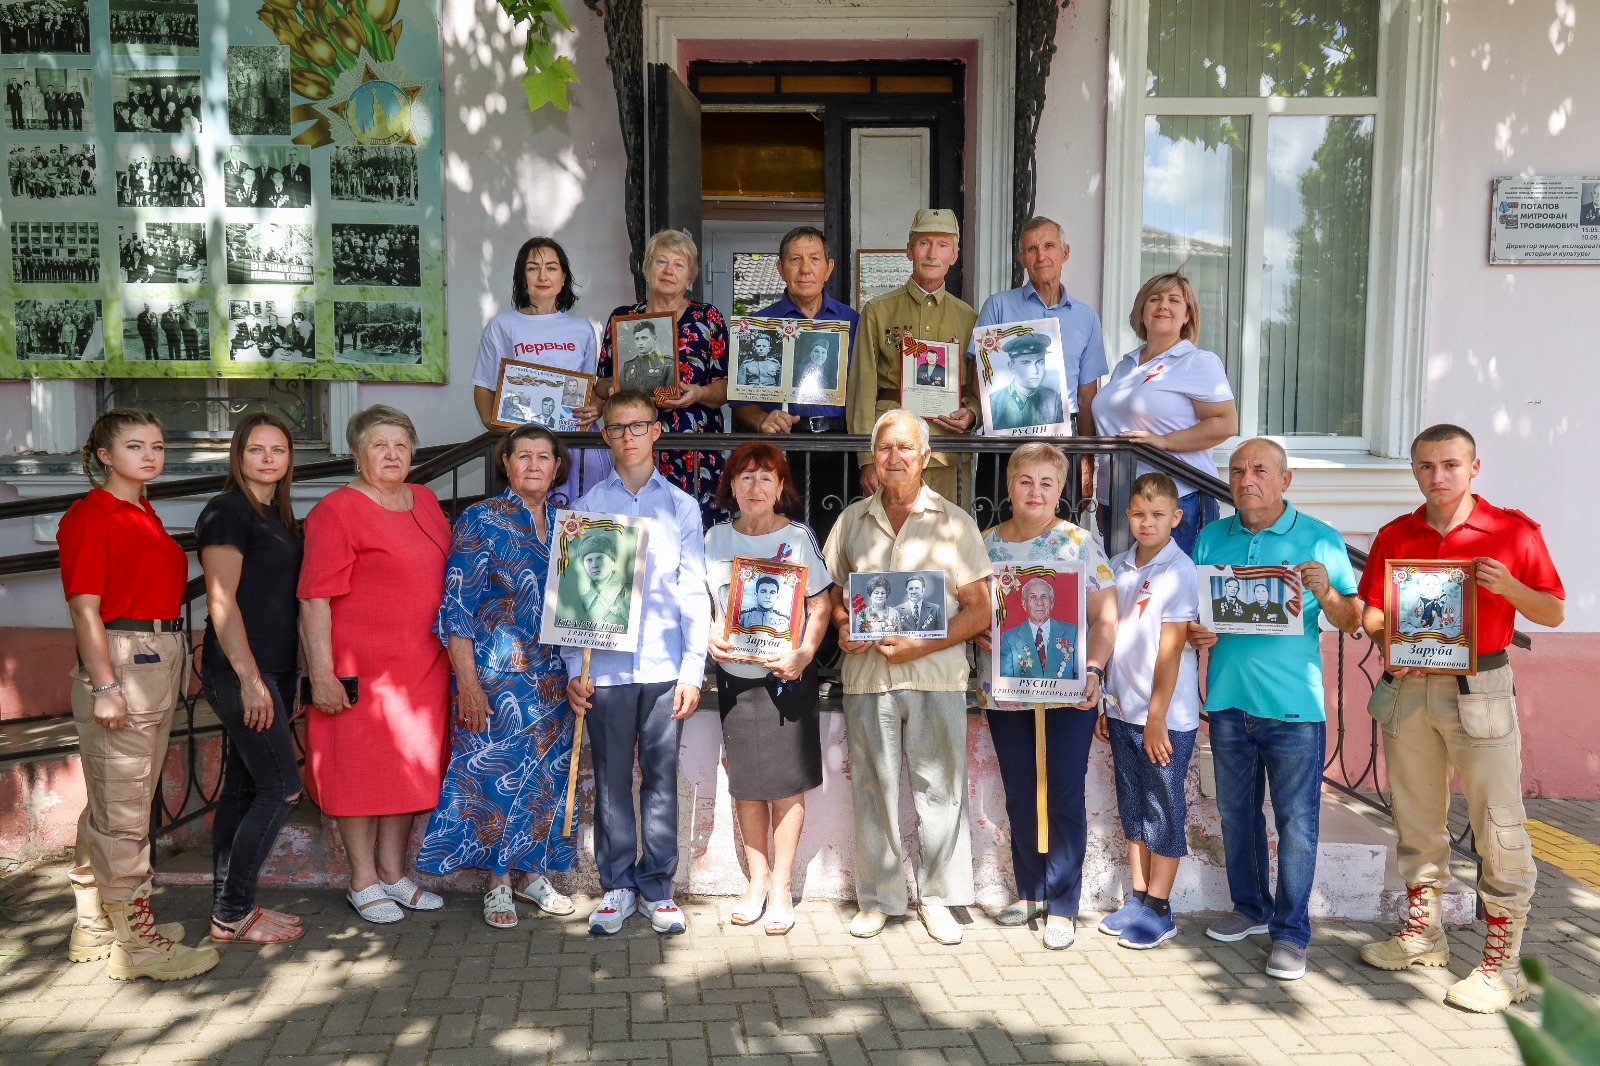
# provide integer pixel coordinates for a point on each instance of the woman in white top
(1170, 394)
(771, 743)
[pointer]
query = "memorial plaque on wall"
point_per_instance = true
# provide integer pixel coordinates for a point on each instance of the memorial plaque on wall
(1545, 220)
(203, 190)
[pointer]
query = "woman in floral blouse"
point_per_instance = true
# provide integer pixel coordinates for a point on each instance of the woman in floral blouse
(671, 263)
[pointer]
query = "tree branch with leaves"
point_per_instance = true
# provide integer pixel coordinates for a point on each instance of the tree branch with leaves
(548, 73)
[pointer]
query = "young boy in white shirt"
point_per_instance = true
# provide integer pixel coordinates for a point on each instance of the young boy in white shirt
(1152, 708)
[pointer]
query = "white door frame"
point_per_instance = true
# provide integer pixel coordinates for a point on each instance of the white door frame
(990, 23)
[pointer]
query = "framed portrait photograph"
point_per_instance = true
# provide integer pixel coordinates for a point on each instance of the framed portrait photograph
(594, 592)
(766, 610)
(1250, 600)
(930, 377)
(1430, 613)
(756, 351)
(1021, 378)
(898, 603)
(818, 364)
(531, 393)
(644, 353)
(879, 271)
(1037, 633)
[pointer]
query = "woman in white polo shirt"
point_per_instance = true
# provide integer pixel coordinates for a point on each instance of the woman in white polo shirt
(1170, 394)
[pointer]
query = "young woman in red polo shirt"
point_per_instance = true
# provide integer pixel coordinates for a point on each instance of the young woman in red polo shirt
(124, 578)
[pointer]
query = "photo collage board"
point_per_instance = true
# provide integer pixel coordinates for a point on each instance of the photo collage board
(244, 190)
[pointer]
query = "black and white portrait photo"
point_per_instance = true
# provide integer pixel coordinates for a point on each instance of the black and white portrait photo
(374, 174)
(177, 331)
(155, 27)
(159, 176)
(377, 332)
(59, 330)
(816, 364)
(897, 603)
(49, 98)
(522, 403)
(367, 254)
(278, 253)
(67, 252)
(271, 176)
(760, 358)
(271, 331)
(162, 253)
(1250, 600)
(59, 26)
(1589, 204)
(155, 101)
(258, 90)
(51, 171)
(644, 352)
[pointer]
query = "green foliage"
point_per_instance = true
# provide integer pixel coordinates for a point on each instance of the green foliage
(1569, 1029)
(548, 73)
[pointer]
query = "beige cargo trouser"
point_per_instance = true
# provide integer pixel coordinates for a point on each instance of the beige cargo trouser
(1431, 727)
(122, 767)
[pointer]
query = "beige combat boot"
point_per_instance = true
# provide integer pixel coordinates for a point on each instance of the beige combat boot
(1420, 940)
(91, 932)
(1497, 982)
(140, 951)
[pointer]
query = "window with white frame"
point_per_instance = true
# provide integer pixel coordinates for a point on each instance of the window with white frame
(1257, 132)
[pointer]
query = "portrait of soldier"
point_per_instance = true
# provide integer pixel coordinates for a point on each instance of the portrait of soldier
(766, 611)
(1026, 400)
(919, 614)
(816, 371)
(1263, 610)
(595, 588)
(1228, 607)
(547, 412)
(1040, 646)
(930, 368)
(762, 366)
(650, 368)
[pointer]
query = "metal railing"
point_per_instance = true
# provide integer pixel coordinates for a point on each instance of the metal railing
(825, 466)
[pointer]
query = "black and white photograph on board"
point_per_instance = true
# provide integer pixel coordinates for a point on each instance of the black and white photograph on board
(272, 331)
(162, 253)
(155, 101)
(151, 175)
(258, 90)
(269, 252)
(49, 26)
(57, 330)
(377, 332)
(898, 603)
(270, 176)
(381, 254)
(51, 172)
(155, 27)
(64, 252)
(49, 98)
(169, 331)
(373, 174)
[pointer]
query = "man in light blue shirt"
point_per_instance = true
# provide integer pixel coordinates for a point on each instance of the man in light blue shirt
(638, 700)
(1042, 251)
(1264, 699)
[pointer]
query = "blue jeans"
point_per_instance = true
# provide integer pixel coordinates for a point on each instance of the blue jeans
(1249, 754)
(260, 773)
(1198, 510)
(624, 720)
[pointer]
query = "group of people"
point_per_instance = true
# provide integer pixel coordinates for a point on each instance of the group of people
(266, 186)
(32, 108)
(178, 325)
(148, 108)
(374, 174)
(55, 329)
(171, 29)
(162, 253)
(39, 172)
(45, 26)
(74, 266)
(160, 181)
(376, 255)
(271, 339)
(429, 691)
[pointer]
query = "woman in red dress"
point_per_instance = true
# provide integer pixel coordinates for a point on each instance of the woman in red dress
(370, 588)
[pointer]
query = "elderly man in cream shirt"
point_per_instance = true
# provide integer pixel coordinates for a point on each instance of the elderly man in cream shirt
(908, 694)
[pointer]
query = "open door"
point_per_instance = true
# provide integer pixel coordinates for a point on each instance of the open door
(672, 161)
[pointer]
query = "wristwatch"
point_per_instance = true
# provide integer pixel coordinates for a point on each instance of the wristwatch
(1096, 671)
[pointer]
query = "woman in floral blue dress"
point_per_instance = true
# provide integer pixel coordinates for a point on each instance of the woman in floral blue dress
(511, 741)
(671, 263)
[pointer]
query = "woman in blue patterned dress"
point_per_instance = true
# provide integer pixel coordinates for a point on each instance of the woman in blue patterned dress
(671, 263)
(511, 741)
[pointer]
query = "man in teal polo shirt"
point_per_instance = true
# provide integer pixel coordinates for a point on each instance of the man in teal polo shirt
(1264, 698)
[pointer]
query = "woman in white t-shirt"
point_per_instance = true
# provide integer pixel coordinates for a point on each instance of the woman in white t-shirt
(1170, 394)
(772, 747)
(541, 331)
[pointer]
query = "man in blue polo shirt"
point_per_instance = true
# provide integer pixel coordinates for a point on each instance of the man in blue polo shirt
(805, 266)
(1264, 698)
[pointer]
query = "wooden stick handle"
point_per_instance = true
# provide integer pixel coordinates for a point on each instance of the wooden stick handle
(1041, 792)
(577, 751)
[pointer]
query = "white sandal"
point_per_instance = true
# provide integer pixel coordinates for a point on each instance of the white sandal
(375, 905)
(406, 893)
(542, 894)
(497, 901)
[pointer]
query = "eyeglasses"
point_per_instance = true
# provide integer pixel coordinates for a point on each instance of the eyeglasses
(635, 429)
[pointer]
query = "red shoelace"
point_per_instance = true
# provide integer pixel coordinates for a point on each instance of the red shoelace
(1496, 946)
(1416, 913)
(144, 922)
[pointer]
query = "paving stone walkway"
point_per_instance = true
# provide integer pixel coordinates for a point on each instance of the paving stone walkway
(444, 988)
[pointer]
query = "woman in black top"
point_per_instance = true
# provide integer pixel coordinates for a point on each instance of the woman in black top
(250, 549)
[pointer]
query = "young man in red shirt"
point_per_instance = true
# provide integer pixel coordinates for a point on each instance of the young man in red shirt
(1434, 723)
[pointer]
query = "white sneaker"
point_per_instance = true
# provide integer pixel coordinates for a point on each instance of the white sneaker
(665, 917)
(618, 906)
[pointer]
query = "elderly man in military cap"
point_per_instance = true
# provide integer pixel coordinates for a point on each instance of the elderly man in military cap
(923, 309)
(1027, 400)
